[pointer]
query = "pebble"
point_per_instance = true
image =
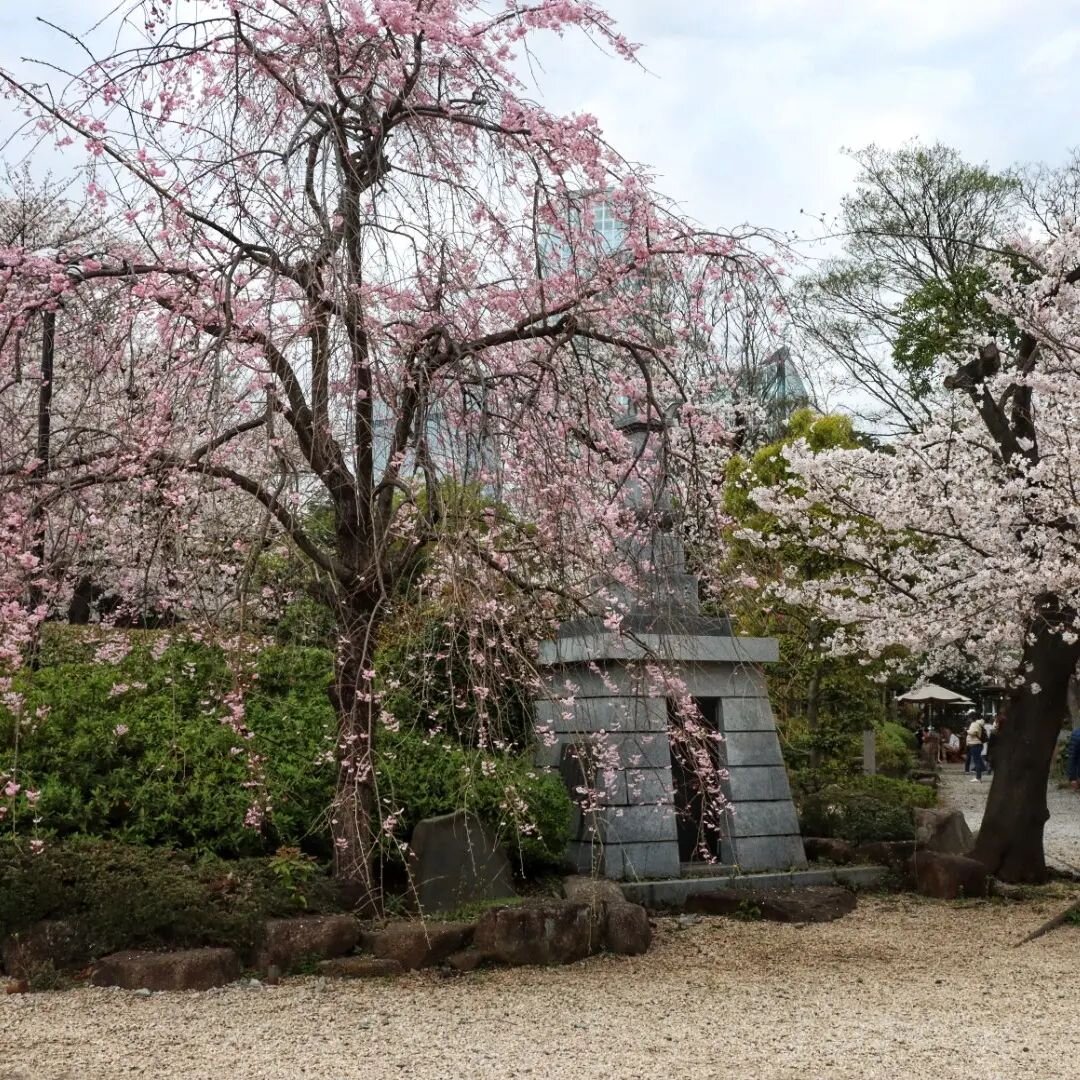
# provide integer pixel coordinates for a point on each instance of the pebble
(869, 997)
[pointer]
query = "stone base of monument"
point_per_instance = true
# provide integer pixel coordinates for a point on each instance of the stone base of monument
(617, 716)
(674, 893)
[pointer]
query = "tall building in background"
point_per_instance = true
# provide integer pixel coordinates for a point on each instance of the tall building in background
(777, 390)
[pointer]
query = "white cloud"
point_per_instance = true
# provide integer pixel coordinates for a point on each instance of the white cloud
(743, 105)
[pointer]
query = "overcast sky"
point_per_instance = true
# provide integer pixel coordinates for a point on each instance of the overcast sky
(743, 107)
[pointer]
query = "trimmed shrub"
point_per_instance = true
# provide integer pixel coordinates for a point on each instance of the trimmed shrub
(426, 666)
(896, 792)
(896, 750)
(424, 776)
(135, 751)
(121, 896)
(855, 817)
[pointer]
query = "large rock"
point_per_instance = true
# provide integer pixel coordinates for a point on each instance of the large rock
(943, 830)
(817, 903)
(466, 960)
(929, 752)
(548, 932)
(626, 929)
(948, 877)
(286, 943)
(421, 944)
(829, 848)
(457, 860)
(187, 969)
(579, 889)
(623, 927)
(891, 853)
(54, 941)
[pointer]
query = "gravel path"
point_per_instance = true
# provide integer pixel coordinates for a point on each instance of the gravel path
(1062, 835)
(885, 992)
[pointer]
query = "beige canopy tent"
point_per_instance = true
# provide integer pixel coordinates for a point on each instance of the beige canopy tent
(932, 693)
(935, 702)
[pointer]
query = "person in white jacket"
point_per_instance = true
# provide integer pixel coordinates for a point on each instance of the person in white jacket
(976, 736)
(989, 731)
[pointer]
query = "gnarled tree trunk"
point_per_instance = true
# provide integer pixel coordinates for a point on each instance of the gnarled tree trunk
(354, 824)
(1011, 837)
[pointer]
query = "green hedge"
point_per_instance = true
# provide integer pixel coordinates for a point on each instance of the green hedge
(895, 750)
(135, 752)
(854, 817)
(864, 809)
(424, 777)
(118, 896)
(892, 790)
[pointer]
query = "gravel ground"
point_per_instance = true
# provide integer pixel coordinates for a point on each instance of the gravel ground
(1062, 835)
(902, 988)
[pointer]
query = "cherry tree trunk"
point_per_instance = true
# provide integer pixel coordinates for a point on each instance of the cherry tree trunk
(1011, 836)
(354, 813)
(813, 696)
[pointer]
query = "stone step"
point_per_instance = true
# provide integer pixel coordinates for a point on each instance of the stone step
(707, 870)
(672, 893)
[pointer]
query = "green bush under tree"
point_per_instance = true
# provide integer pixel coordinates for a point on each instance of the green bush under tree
(117, 896)
(136, 752)
(863, 809)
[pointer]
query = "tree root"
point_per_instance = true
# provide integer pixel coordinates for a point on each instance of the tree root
(1051, 924)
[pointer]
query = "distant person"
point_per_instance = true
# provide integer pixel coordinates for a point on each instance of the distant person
(989, 741)
(1073, 768)
(976, 736)
(950, 746)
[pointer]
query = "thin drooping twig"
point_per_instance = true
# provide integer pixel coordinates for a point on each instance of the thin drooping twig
(1051, 924)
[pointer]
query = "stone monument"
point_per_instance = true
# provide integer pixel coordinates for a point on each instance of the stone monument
(606, 723)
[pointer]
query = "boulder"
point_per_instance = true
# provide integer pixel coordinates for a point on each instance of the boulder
(457, 860)
(929, 752)
(186, 969)
(285, 943)
(943, 830)
(829, 848)
(948, 877)
(358, 967)
(546, 932)
(579, 889)
(53, 941)
(466, 960)
(816, 903)
(421, 944)
(1008, 891)
(626, 929)
(891, 853)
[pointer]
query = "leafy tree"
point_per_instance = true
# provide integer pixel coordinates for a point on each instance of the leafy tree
(822, 701)
(918, 232)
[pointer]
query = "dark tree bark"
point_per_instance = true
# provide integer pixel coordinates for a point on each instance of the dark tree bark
(1011, 837)
(813, 696)
(354, 813)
